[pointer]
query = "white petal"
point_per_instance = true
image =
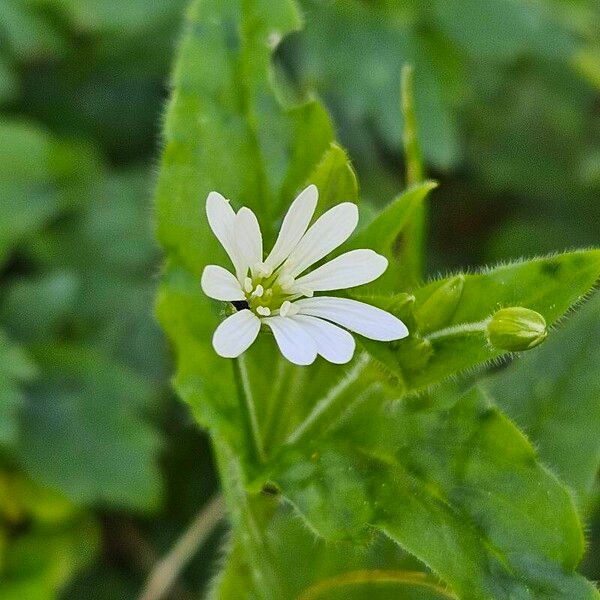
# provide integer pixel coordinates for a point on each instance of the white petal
(248, 238)
(329, 231)
(221, 218)
(359, 317)
(293, 340)
(220, 284)
(294, 226)
(333, 344)
(236, 334)
(353, 268)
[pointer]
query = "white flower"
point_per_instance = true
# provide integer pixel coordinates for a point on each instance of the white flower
(276, 292)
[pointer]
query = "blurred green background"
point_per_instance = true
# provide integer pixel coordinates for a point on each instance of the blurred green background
(101, 468)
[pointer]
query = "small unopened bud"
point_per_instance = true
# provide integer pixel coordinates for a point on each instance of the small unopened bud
(516, 329)
(437, 311)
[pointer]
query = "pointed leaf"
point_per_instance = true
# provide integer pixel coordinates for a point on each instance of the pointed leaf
(449, 334)
(460, 488)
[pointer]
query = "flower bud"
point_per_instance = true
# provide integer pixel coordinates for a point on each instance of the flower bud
(440, 307)
(516, 329)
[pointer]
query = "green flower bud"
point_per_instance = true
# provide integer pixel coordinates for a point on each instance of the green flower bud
(516, 329)
(439, 308)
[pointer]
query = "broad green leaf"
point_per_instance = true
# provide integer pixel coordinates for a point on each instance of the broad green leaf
(460, 488)
(260, 562)
(341, 571)
(554, 395)
(461, 305)
(39, 176)
(227, 130)
(83, 430)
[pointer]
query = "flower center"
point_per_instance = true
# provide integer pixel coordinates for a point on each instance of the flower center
(270, 293)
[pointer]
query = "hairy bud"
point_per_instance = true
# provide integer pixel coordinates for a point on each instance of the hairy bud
(516, 329)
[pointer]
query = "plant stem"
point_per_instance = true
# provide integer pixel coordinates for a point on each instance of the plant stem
(167, 570)
(458, 329)
(415, 230)
(249, 407)
(323, 408)
(412, 149)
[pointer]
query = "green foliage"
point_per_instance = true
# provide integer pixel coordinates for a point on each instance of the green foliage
(44, 539)
(386, 234)
(458, 338)
(459, 488)
(553, 395)
(326, 454)
(101, 401)
(15, 369)
(505, 111)
(83, 380)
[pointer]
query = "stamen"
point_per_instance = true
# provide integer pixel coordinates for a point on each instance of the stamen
(259, 291)
(263, 311)
(285, 308)
(248, 285)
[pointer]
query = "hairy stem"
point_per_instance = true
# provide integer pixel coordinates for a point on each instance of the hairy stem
(458, 329)
(167, 570)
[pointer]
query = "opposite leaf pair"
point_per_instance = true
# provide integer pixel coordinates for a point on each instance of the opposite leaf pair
(274, 292)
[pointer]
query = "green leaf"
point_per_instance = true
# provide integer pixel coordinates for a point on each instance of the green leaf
(549, 286)
(335, 179)
(84, 432)
(385, 234)
(341, 571)
(460, 488)
(39, 176)
(26, 32)
(227, 129)
(352, 53)
(554, 395)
